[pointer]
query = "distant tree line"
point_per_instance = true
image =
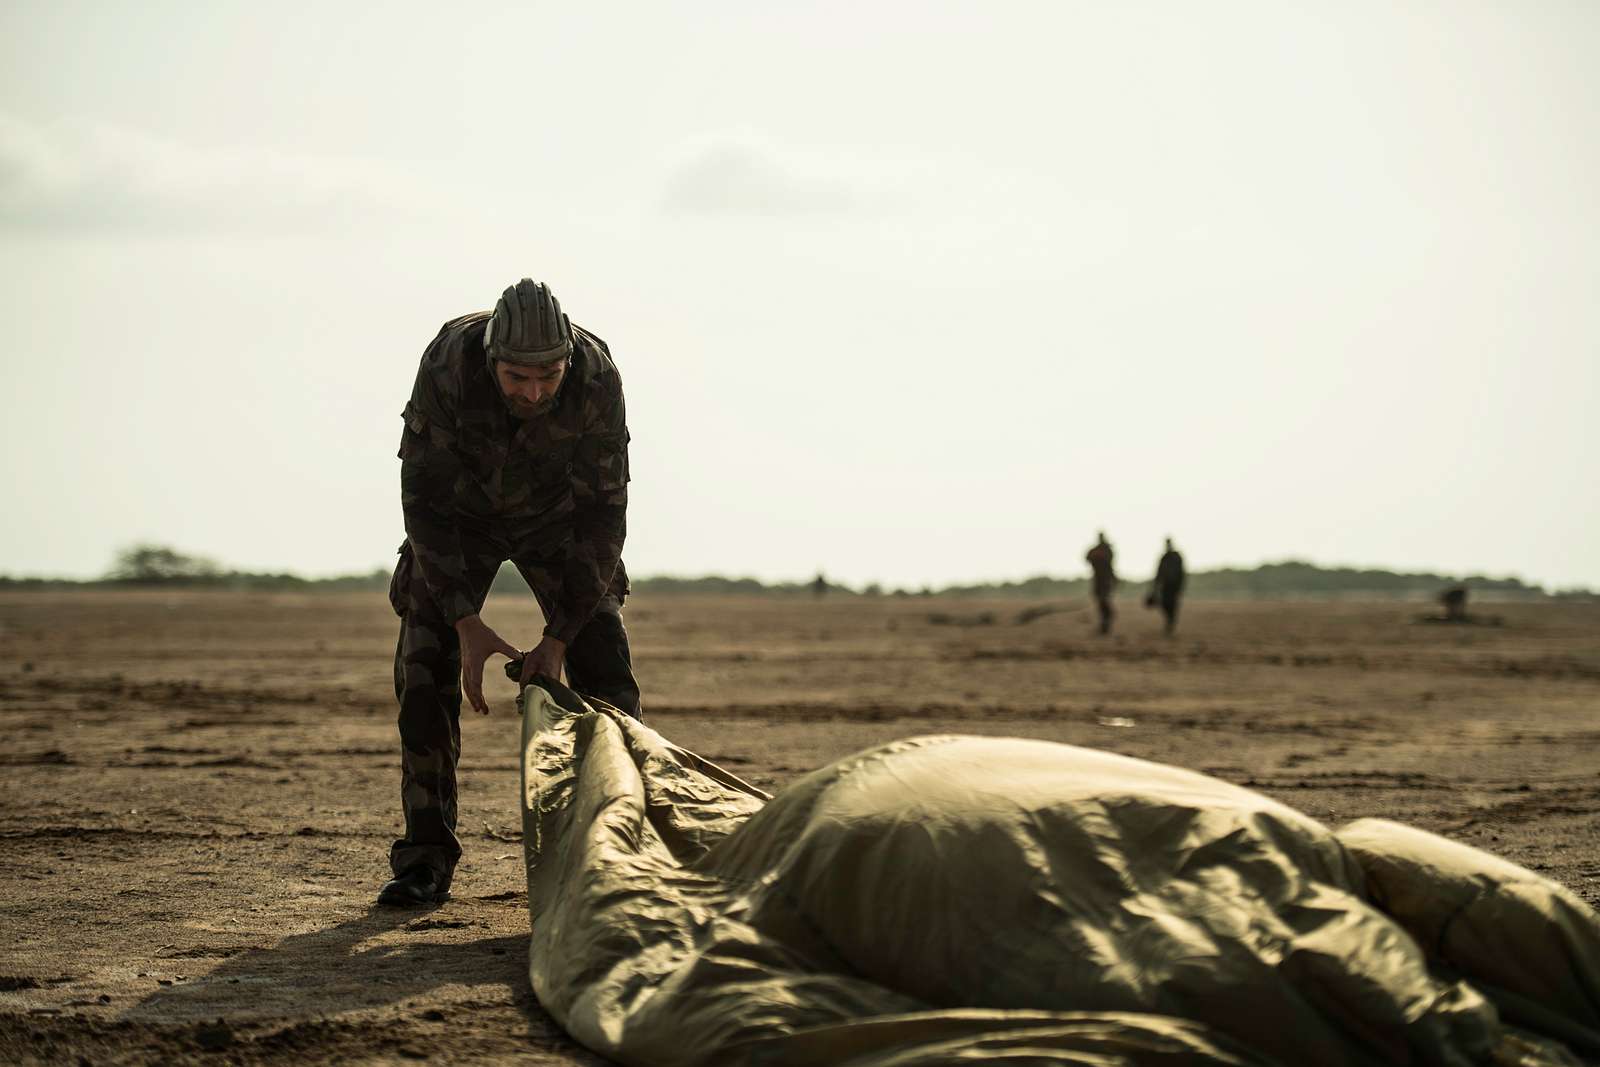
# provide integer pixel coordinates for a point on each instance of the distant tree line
(164, 567)
(160, 566)
(1270, 581)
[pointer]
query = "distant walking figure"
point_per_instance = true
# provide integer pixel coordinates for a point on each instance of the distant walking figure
(1103, 580)
(1168, 586)
(1454, 600)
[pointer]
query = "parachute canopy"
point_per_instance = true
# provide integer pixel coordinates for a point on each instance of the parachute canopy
(949, 899)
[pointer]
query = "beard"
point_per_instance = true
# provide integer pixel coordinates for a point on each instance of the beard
(524, 410)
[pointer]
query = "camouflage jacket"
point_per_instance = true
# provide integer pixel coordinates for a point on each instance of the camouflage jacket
(554, 488)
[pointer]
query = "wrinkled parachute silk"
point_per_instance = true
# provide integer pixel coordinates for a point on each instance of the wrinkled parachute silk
(949, 900)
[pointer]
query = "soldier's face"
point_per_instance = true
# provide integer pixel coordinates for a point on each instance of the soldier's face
(530, 391)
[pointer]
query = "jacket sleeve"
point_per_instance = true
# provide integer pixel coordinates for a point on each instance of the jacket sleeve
(428, 470)
(600, 515)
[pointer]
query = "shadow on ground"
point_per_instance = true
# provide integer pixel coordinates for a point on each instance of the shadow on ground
(383, 957)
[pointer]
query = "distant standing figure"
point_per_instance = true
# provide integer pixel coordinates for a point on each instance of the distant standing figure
(1454, 600)
(1103, 580)
(819, 585)
(1168, 586)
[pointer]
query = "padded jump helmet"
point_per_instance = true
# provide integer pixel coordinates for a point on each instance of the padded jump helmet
(528, 327)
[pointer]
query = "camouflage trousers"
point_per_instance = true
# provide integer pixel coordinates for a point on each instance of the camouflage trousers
(427, 683)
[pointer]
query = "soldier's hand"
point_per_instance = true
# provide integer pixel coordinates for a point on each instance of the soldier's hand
(545, 659)
(478, 643)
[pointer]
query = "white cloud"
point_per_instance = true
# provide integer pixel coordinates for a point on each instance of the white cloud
(918, 213)
(741, 174)
(81, 176)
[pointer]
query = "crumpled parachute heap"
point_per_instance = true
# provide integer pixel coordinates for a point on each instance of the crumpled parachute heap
(945, 900)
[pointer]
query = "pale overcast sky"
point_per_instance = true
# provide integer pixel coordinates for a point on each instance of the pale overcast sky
(914, 293)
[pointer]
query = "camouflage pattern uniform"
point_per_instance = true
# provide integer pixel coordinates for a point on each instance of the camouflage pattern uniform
(479, 486)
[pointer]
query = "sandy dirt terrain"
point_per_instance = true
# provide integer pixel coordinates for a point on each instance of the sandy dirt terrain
(200, 788)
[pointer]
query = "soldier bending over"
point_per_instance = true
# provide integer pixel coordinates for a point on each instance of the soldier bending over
(515, 447)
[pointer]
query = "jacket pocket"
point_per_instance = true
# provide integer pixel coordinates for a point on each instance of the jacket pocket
(400, 584)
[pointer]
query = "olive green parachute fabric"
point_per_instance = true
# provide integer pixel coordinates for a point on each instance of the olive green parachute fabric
(949, 900)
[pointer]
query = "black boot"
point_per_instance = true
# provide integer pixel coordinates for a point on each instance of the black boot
(417, 884)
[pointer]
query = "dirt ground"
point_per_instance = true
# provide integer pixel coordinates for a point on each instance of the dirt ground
(200, 788)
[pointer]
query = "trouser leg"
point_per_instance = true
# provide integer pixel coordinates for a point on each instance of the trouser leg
(1103, 603)
(599, 662)
(427, 667)
(427, 684)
